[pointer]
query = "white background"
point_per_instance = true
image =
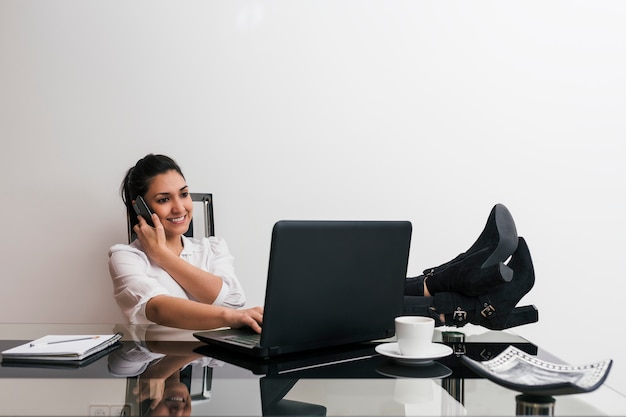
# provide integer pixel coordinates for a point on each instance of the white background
(426, 111)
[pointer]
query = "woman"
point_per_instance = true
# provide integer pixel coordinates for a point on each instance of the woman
(164, 277)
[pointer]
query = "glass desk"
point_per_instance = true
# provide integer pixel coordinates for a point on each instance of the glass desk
(191, 378)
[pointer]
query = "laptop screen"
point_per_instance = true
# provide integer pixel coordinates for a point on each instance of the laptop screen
(334, 282)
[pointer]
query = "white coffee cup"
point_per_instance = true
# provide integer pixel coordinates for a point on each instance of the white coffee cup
(414, 334)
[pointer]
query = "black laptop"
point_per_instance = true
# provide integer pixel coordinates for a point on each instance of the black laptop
(329, 283)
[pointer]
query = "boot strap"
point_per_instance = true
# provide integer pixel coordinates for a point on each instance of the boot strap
(460, 310)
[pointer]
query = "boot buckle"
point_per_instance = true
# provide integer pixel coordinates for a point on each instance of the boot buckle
(488, 310)
(459, 315)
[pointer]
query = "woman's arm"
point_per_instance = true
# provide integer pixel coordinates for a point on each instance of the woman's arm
(187, 314)
(201, 285)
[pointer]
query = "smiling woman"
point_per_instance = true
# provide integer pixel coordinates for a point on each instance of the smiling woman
(163, 276)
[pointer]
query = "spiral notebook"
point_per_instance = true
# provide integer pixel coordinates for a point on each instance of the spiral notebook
(60, 348)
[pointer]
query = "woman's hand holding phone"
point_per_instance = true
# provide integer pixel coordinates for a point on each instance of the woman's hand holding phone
(152, 238)
(149, 229)
(142, 209)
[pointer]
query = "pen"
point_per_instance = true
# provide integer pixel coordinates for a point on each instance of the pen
(64, 341)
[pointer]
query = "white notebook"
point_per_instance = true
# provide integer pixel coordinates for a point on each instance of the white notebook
(62, 347)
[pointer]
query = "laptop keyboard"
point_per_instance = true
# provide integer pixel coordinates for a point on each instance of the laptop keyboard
(249, 340)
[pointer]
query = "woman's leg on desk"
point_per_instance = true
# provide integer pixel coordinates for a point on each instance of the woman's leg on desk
(480, 286)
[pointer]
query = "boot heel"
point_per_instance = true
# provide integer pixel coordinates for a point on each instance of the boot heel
(522, 315)
(507, 235)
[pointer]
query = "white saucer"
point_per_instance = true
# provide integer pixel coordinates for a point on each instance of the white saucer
(434, 351)
(433, 370)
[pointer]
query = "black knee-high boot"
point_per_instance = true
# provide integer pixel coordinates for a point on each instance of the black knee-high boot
(496, 310)
(482, 267)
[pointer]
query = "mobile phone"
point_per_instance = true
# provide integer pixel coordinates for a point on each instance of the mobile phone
(142, 209)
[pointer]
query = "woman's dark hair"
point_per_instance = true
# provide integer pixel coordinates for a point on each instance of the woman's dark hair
(138, 180)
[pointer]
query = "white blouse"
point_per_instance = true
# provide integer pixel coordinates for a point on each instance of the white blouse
(136, 279)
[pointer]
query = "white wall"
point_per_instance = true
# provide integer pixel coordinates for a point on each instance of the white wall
(426, 111)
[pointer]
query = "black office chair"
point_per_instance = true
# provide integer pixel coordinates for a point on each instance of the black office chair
(200, 226)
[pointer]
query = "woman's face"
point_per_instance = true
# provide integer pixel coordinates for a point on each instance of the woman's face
(176, 401)
(168, 196)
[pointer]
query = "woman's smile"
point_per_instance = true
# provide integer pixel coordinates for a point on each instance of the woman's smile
(178, 220)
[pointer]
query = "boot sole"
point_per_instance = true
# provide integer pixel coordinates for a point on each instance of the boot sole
(507, 233)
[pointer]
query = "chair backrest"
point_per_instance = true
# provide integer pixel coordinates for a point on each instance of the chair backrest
(200, 226)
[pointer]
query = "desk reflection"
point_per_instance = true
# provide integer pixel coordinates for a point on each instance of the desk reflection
(371, 386)
(160, 369)
(167, 375)
(155, 364)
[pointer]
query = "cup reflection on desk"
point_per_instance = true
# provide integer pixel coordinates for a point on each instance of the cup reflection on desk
(426, 397)
(417, 396)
